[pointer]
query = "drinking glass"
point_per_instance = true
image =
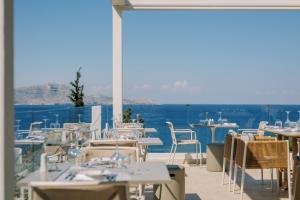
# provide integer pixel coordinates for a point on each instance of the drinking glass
(57, 124)
(79, 118)
(220, 118)
(287, 122)
(117, 157)
(45, 122)
(278, 123)
(206, 116)
(18, 125)
(74, 152)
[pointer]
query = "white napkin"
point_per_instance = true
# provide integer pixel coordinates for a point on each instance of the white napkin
(82, 177)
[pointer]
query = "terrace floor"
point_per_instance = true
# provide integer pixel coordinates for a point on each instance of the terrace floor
(204, 185)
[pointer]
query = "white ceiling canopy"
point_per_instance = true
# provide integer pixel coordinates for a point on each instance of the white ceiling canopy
(207, 4)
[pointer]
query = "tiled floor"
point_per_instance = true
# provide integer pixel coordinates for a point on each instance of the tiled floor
(204, 185)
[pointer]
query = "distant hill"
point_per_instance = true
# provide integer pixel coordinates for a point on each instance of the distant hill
(55, 93)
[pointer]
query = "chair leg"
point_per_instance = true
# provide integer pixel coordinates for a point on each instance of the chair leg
(197, 156)
(262, 176)
(234, 177)
(271, 179)
(175, 148)
(223, 171)
(171, 153)
(289, 173)
(230, 174)
(201, 155)
(242, 183)
(277, 182)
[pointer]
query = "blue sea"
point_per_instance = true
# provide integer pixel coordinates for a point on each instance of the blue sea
(246, 116)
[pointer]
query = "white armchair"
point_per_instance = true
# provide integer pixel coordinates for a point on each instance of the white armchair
(175, 142)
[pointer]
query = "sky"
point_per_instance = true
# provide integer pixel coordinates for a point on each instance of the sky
(195, 57)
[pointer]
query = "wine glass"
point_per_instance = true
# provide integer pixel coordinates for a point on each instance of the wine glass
(278, 123)
(287, 122)
(74, 152)
(45, 122)
(18, 125)
(117, 157)
(57, 124)
(79, 118)
(206, 116)
(220, 118)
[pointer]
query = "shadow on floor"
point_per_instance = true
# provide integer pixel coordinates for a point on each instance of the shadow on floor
(256, 190)
(192, 196)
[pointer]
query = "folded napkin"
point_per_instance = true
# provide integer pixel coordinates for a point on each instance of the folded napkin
(83, 177)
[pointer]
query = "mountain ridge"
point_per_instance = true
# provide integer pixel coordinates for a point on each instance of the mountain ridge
(56, 93)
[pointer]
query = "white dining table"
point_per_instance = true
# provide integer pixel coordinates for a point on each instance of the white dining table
(138, 173)
(213, 128)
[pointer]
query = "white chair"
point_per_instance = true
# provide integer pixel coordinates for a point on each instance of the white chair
(175, 142)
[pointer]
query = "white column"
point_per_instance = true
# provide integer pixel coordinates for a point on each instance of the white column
(96, 121)
(6, 101)
(117, 63)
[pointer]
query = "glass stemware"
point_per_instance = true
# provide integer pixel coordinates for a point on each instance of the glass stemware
(206, 116)
(45, 122)
(287, 122)
(220, 118)
(117, 157)
(74, 152)
(57, 124)
(79, 118)
(278, 123)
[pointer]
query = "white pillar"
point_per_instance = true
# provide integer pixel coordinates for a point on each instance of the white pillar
(6, 101)
(96, 121)
(117, 64)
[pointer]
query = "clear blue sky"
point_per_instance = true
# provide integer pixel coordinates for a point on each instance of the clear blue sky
(172, 57)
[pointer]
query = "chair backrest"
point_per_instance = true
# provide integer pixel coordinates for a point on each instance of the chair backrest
(129, 125)
(262, 154)
(35, 128)
(78, 191)
(124, 131)
(261, 127)
(228, 142)
(89, 153)
(171, 127)
(53, 149)
(103, 143)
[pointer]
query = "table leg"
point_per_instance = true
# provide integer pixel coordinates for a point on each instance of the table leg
(213, 129)
(279, 137)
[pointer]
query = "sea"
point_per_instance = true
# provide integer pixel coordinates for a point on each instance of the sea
(155, 116)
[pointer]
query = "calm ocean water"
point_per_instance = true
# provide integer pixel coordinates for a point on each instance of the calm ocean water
(246, 116)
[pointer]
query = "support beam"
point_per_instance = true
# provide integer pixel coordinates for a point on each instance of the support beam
(117, 64)
(6, 101)
(208, 4)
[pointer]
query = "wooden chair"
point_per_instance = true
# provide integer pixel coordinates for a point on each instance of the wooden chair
(262, 155)
(175, 142)
(230, 150)
(78, 191)
(229, 154)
